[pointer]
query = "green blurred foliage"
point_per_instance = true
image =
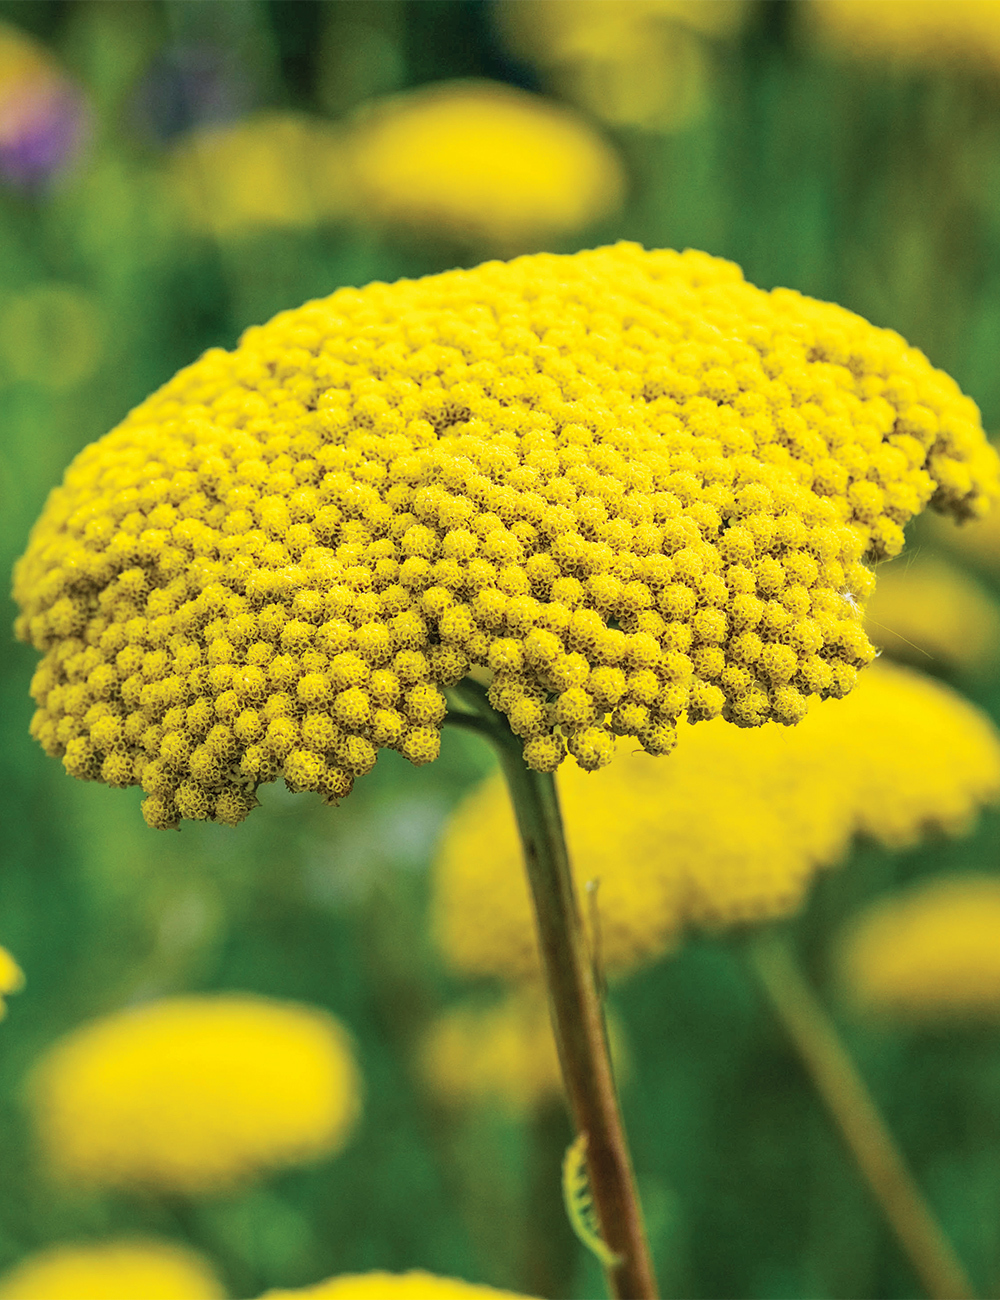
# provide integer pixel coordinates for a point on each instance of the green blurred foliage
(875, 186)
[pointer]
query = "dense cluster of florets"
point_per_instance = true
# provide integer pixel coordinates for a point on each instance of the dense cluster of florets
(627, 484)
(731, 831)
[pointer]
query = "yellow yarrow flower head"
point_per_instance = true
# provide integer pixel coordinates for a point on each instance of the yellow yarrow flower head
(923, 31)
(270, 171)
(927, 609)
(11, 978)
(414, 1285)
(931, 952)
(113, 1270)
(627, 483)
(195, 1094)
(483, 162)
(730, 831)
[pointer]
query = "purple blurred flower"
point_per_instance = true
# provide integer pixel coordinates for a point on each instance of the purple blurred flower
(44, 123)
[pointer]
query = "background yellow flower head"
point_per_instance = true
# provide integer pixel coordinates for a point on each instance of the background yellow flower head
(483, 162)
(730, 831)
(415, 1285)
(629, 484)
(195, 1094)
(925, 609)
(503, 1052)
(272, 170)
(926, 31)
(929, 953)
(113, 1270)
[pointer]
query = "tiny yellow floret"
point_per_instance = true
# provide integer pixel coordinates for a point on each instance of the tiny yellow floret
(485, 163)
(931, 952)
(731, 831)
(414, 1285)
(195, 1094)
(628, 484)
(113, 1270)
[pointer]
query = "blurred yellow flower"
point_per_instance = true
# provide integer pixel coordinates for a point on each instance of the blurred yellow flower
(977, 539)
(485, 163)
(643, 63)
(731, 830)
(11, 979)
(627, 483)
(113, 1270)
(51, 335)
(415, 1285)
(195, 1094)
(927, 609)
(503, 1053)
(931, 31)
(929, 952)
(272, 170)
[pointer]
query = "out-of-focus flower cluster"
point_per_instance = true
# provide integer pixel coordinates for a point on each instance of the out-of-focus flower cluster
(929, 953)
(271, 170)
(645, 63)
(195, 1094)
(924, 31)
(414, 1285)
(925, 608)
(44, 120)
(113, 1270)
(11, 979)
(483, 163)
(627, 483)
(731, 830)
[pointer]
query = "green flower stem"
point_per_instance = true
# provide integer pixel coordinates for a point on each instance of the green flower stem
(848, 1100)
(576, 1008)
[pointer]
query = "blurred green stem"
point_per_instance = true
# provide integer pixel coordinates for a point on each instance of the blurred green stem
(576, 1008)
(848, 1100)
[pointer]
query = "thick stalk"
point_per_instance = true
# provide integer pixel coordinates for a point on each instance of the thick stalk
(848, 1100)
(576, 1009)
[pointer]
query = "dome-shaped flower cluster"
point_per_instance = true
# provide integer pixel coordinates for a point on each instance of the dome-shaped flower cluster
(113, 1270)
(931, 952)
(482, 162)
(627, 483)
(414, 1285)
(195, 1094)
(730, 831)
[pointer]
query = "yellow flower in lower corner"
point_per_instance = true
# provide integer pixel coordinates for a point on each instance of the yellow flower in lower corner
(415, 1285)
(113, 1270)
(932, 952)
(11, 978)
(732, 829)
(195, 1094)
(483, 161)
